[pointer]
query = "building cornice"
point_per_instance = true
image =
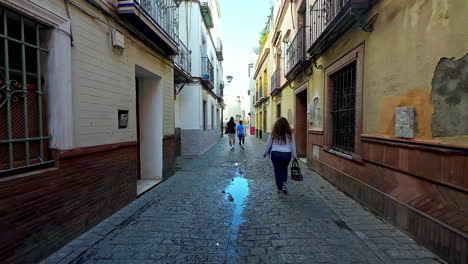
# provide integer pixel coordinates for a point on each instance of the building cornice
(281, 14)
(262, 60)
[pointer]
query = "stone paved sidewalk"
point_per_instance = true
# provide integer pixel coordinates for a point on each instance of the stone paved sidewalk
(190, 218)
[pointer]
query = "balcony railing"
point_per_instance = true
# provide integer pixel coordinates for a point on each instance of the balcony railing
(221, 89)
(219, 50)
(295, 53)
(159, 18)
(163, 12)
(331, 18)
(207, 73)
(184, 59)
(276, 81)
(206, 9)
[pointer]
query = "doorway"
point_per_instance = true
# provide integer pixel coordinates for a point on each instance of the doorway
(149, 129)
(300, 126)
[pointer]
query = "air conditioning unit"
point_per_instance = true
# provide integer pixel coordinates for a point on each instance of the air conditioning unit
(118, 39)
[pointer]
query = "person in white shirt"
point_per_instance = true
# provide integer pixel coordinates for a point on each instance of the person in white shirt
(281, 147)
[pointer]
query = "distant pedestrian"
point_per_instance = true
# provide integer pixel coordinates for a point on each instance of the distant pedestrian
(281, 147)
(231, 131)
(241, 134)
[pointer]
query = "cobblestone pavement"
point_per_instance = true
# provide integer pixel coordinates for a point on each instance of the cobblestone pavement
(190, 218)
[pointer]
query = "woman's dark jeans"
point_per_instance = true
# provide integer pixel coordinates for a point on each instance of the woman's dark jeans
(280, 162)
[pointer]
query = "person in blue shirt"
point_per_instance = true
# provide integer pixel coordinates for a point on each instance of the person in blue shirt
(241, 134)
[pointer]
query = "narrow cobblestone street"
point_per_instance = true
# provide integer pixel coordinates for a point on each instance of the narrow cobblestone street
(190, 218)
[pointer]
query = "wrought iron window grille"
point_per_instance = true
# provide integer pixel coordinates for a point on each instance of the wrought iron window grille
(23, 136)
(343, 108)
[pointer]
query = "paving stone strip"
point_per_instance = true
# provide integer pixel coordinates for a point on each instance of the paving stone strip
(222, 207)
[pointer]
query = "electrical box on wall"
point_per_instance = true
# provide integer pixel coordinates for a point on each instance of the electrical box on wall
(118, 39)
(123, 118)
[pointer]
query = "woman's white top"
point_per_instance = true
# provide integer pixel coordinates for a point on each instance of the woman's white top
(290, 146)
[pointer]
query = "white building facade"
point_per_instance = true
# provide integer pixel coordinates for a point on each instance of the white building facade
(199, 104)
(251, 73)
(86, 114)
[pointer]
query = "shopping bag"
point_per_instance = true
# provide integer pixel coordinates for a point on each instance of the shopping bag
(296, 174)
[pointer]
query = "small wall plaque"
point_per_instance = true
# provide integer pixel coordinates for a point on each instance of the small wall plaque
(404, 122)
(123, 118)
(316, 151)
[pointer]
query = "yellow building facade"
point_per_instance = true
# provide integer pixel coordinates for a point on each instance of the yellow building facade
(262, 91)
(374, 91)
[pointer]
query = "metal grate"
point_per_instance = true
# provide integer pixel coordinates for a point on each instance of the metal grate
(343, 108)
(22, 134)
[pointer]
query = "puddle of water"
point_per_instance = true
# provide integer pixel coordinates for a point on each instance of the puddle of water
(239, 189)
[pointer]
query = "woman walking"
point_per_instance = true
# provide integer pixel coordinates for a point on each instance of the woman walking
(231, 131)
(281, 147)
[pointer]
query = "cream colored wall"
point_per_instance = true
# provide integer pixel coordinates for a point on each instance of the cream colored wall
(408, 40)
(287, 105)
(103, 82)
(287, 94)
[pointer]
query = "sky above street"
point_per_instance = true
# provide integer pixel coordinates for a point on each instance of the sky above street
(241, 23)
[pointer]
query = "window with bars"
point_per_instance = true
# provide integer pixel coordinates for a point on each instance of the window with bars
(23, 135)
(343, 108)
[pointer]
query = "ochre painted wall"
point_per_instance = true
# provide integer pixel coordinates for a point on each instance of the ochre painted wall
(401, 54)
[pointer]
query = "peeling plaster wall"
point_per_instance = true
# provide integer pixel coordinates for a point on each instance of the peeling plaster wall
(450, 98)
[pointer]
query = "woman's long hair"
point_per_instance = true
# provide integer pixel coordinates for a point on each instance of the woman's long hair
(282, 131)
(231, 119)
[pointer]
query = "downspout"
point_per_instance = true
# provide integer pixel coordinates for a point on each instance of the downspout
(67, 9)
(292, 13)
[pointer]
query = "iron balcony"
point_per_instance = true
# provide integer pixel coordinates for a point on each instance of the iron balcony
(207, 73)
(157, 19)
(183, 63)
(219, 50)
(205, 8)
(331, 18)
(295, 54)
(276, 82)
